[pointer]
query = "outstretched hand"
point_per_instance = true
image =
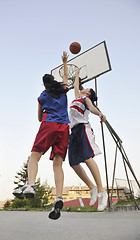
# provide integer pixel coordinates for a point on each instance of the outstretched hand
(65, 57)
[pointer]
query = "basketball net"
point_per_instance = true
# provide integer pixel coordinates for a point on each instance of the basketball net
(72, 70)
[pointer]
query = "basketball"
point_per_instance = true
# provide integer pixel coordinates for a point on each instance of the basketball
(75, 47)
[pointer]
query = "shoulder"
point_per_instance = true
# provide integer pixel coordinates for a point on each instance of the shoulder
(88, 102)
(43, 96)
(87, 99)
(43, 93)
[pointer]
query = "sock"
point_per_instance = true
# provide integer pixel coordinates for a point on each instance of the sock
(92, 190)
(101, 193)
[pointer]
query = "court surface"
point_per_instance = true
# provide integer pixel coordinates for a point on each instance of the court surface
(21, 225)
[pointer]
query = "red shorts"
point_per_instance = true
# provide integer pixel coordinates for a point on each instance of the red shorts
(52, 134)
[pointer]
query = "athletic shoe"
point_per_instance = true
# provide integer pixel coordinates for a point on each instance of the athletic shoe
(57, 206)
(19, 192)
(29, 191)
(93, 196)
(102, 201)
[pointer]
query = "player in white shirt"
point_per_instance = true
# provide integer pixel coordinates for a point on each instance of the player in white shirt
(82, 146)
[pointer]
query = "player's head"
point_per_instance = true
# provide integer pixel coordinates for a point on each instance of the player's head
(53, 87)
(88, 92)
(47, 79)
(92, 96)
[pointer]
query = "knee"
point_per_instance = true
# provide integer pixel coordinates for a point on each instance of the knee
(75, 167)
(35, 156)
(57, 162)
(89, 160)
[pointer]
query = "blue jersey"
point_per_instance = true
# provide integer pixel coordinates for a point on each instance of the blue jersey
(56, 109)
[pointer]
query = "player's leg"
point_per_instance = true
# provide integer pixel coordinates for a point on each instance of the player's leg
(58, 174)
(91, 164)
(33, 167)
(102, 195)
(28, 190)
(58, 154)
(91, 149)
(44, 139)
(59, 180)
(93, 189)
(82, 174)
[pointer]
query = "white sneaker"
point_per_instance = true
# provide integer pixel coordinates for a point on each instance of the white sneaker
(102, 201)
(29, 191)
(93, 196)
(19, 192)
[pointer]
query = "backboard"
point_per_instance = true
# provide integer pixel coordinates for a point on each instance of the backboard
(93, 63)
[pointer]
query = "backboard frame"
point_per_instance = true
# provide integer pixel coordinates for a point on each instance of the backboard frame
(81, 60)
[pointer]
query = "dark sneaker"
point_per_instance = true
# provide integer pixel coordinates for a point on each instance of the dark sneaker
(29, 191)
(19, 192)
(57, 206)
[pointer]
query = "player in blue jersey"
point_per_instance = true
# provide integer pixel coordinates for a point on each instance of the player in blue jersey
(54, 133)
(82, 146)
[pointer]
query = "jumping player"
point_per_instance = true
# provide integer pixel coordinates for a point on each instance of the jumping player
(82, 146)
(53, 132)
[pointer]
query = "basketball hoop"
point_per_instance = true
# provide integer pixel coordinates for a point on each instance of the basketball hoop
(72, 70)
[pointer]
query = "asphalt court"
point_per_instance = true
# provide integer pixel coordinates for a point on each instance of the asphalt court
(21, 225)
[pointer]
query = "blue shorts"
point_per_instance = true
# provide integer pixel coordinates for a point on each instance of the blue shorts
(82, 144)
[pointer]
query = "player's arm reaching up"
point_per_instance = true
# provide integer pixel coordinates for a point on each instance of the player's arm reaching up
(64, 59)
(76, 84)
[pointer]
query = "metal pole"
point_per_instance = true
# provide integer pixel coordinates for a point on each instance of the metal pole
(130, 167)
(105, 166)
(96, 91)
(119, 144)
(114, 174)
(129, 185)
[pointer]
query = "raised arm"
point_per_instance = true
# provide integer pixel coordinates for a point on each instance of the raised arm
(76, 84)
(94, 110)
(64, 59)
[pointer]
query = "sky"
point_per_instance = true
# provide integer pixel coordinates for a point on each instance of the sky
(33, 36)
